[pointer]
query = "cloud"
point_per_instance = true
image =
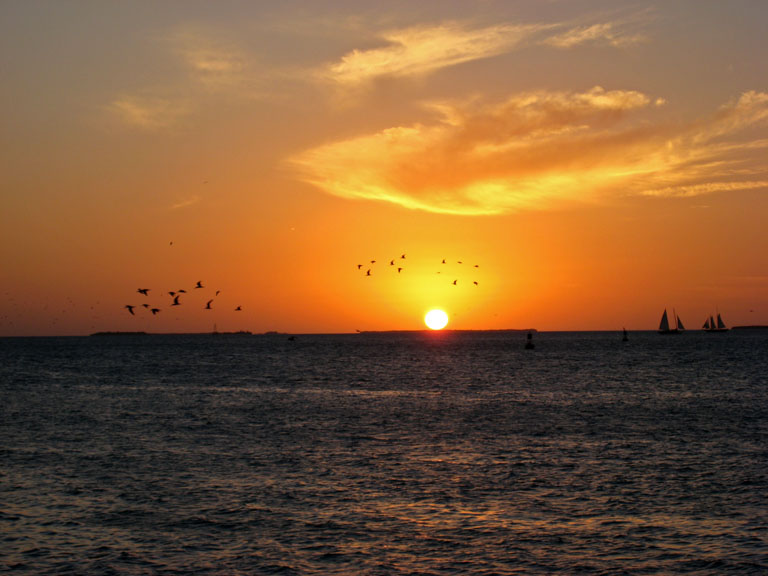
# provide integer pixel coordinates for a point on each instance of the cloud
(602, 33)
(187, 202)
(421, 50)
(148, 114)
(211, 62)
(540, 149)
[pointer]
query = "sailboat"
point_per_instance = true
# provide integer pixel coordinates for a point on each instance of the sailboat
(664, 327)
(711, 326)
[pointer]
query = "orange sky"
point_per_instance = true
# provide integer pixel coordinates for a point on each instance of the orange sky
(597, 164)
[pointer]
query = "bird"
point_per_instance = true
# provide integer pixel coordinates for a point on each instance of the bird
(155, 311)
(145, 305)
(373, 261)
(359, 266)
(477, 265)
(208, 305)
(443, 262)
(199, 284)
(172, 293)
(368, 272)
(398, 270)
(130, 309)
(475, 282)
(238, 309)
(402, 256)
(182, 291)
(143, 291)
(217, 292)
(454, 282)
(391, 262)
(176, 301)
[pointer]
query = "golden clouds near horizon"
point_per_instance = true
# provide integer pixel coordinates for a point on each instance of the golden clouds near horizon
(539, 148)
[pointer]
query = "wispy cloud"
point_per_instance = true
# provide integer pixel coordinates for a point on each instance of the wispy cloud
(609, 33)
(540, 148)
(211, 62)
(186, 202)
(420, 50)
(148, 114)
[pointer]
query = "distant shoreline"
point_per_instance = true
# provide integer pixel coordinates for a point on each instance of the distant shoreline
(273, 333)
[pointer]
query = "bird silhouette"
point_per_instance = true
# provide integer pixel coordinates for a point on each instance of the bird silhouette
(130, 309)
(217, 292)
(368, 272)
(172, 294)
(238, 309)
(143, 291)
(182, 291)
(208, 305)
(176, 301)
(145, 305)
(443, 262)
(454, 282)
(475, 282)
(402, 256)
(199, 284)
(155, 311)
(359, 266)
(398, 270)
(373, 261)
(391, 262)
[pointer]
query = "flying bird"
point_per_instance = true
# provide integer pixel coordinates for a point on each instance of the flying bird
(208, 305)
(182, 291)
(155, 311)
(217, 292)
(172, 294)
(373, 261)
(475, 282)
(368, 272)
(402, 256)
(454, 282)
(145, 305)
(199, 284)
(176, 301)
(398, 270)
(391, 262)
(443, 262)
(130, 309)
(143, 291)
(238, 309)
(359, 266)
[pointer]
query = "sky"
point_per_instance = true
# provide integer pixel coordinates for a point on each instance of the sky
(557, 165)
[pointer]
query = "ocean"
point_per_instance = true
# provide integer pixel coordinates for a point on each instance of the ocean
(385, 453)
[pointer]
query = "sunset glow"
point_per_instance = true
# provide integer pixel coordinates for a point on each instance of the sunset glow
(576, 165)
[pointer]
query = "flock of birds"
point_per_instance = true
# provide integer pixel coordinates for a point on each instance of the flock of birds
(397, 264)
(176, 296)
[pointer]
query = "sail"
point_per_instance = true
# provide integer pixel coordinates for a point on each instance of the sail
(664, 324)
(679, 323)
(706, 324)
(720, 323)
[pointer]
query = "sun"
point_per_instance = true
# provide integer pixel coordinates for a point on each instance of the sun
(436, 319)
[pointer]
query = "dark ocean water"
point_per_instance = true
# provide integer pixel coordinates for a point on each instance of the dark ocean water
(416, 453)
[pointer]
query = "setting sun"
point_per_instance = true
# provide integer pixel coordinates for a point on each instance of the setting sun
(436, 319)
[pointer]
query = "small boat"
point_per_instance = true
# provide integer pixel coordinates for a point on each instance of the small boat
(664, 327)
(529, 342)
(624, 338)
(711, 326)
